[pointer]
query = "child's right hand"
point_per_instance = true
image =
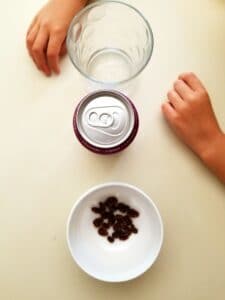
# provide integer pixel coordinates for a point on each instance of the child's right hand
(189, 112)
(47, 33)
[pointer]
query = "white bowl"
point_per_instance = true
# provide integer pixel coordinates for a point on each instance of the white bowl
(121, 260)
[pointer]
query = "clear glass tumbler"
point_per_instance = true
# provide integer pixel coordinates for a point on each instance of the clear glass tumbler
(110, 43)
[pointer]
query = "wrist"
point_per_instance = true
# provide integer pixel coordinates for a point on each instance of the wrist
(212, 148)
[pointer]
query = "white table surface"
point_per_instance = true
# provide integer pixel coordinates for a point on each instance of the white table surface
(43, 168)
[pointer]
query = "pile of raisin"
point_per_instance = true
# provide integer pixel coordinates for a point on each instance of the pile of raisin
(117, 216)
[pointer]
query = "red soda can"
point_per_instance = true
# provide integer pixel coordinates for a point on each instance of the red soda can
(105, 122)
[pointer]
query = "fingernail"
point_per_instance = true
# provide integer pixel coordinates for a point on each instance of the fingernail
(47, 73)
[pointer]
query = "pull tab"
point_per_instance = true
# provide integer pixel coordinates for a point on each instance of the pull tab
(103, 120)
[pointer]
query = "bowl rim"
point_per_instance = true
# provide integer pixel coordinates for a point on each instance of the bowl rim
(90, 191)
(98, 3)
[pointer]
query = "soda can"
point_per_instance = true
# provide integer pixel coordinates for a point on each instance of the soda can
(105, 122)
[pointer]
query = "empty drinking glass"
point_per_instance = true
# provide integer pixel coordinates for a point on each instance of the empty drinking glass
(110, 43)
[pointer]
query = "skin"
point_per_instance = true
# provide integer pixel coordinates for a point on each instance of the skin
(189, 112)
(47, 33)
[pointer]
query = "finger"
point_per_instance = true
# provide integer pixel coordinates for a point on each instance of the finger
(31, 25)
(30, 41)
(182, 89)
(38, 50)
(168, 112)
(192, 80)
(63, 49)
(31, 37)
(175, 99)
(54, 46)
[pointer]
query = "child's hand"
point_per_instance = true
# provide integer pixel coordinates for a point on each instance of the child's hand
(190, 114)
(46, 34)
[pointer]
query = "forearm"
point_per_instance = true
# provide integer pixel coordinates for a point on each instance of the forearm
(80, 3)
(214, 156)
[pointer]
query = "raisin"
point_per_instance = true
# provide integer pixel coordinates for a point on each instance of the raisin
(124, 237)
(118, 217)
(123, 207)
(123, 223)
(97, 222)
(111, 219)
(102, 205)
(106, 225)
(135, 230)
(116, 226)
(96, 210)
(130, 228)
(111, 239)
(128, 220)
(111, 202)
(115, 234)
(133, 213)
(107, 216)
(102, 231)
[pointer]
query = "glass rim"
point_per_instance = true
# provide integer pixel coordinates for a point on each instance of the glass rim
(95, 4)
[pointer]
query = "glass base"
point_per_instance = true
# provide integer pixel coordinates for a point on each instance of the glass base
(109, 65)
